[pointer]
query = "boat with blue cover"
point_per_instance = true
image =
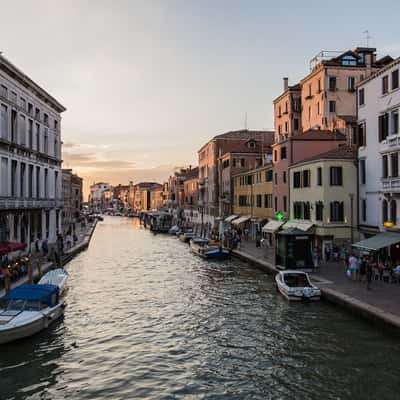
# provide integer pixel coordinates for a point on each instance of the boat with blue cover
(212, 250)
(29, 309)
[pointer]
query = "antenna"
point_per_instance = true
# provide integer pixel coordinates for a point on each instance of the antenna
(367, 36)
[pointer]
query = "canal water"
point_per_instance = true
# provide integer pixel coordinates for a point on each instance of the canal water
(146, 319)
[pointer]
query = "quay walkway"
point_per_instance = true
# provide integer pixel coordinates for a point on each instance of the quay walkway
(82, 244)
(380, 305)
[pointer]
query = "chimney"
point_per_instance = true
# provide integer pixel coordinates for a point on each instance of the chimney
(285, 83)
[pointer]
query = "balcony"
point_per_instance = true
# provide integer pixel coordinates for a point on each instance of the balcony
(391, 143)
(7, 203)
(391, 184)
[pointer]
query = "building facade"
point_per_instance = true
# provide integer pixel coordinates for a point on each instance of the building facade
(252, 198)
(208, 156)
(378, 153)
(96, 197)
(30, 159)
(72, 199)
(323, 198)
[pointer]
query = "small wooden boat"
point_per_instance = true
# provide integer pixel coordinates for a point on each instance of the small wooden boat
(28, 309)
(209, 250)
(296, 285)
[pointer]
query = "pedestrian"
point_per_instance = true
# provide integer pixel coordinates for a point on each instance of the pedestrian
(45, 248)
(327, 253)
(37, 248)
(315, 255)
(353, 266)
(246, 234)
(369, 274)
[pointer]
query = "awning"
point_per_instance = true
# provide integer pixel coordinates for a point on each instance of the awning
(230, 218)
(240, 220)
(272, 226)
(8, 247)
(378, 241)
(301, 225)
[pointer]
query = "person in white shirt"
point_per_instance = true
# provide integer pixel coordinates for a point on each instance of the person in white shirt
(353, 266)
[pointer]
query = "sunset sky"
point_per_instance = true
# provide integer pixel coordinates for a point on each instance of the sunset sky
(146, 83)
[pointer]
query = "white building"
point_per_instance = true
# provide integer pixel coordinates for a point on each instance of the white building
(30, 159)
(96, 199)
(379, 141)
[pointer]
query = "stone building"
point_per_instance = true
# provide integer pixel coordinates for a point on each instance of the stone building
(72, 198)
(96, 198)
(30, 159)
(378, 153)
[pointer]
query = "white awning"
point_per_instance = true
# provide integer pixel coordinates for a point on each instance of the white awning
(379, 241)
(302, 225)
(272, 226)
(240, 220)
(230, 218)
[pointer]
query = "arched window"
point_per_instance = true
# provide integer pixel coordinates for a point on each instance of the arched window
(393, 212)
(384, 211)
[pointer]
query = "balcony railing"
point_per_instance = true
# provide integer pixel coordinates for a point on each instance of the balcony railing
(390, 142)
(391, 184)
(14, 204)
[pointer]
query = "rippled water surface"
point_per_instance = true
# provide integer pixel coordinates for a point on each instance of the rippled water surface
(148, 320)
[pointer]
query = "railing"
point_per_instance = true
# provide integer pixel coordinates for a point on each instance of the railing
(391, 141)
(391, 184)
(12, 203)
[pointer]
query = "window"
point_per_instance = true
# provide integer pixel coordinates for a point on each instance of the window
(242, 200)
(284, 204)
(22, 103)
(309, 90)
(37, 113)
(295, 124)
(319, 176)
(286, 107)
(4, 122)
(13, 97)
(297, 210)
(395, 79)
(276, 178)
(46, 119)
(361, 135)
(309, 112)
(337, 211)
(364, 209)
(279, 111)
(279, 129)
(306, 178)
(296, 179)
(319, 211)
(284, 177)
(384, 210)
(286, 127)
(13, 126)
(283, 153)
(319, 85)
(318, 108)
(332, 106)
(30, 134)
(383, 125)
(267, 200)
(332, 83)
(306, 210)
(30, 109)
(276, 203)
(55, 124)
(37, 137)
(349, 60)
(385, 84)
(336, 174)
(361, 97)
(395, 122)
(351, 83)
(22, 130)
(3, 91)
(393, 212)
(259, 201)
(385, 166)
(394, 163)
(275, 155)
(268, 175)
(363, 177)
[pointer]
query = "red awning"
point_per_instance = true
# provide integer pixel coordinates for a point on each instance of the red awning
(8, 247)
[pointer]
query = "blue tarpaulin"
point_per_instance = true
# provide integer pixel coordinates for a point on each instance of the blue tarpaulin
(47, 294)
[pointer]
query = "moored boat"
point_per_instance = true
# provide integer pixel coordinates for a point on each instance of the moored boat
(186, 236)
(57, 277)
(209, 250)
(28, 309)
(296, 285)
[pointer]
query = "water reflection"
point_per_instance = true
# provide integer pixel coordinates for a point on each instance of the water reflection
(148, 320)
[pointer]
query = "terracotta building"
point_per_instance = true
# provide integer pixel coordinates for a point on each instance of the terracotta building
(209, 155)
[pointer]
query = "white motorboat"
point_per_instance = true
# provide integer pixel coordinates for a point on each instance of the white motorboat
(209, 249)
(28, 309)
(57, 277)
(296, 285)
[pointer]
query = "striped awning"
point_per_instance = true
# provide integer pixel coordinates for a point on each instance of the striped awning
(241, 220)
(230, 218)
(379, 241)
(272, 226)
(301, 225)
